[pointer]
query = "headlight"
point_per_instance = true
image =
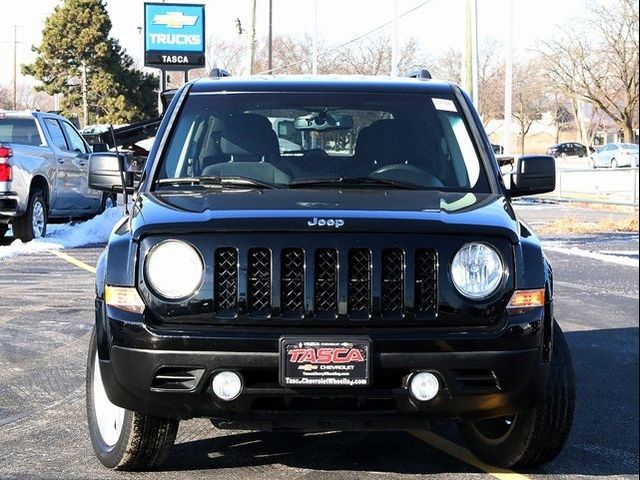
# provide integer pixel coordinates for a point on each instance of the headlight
(477, 270)
(174, 269)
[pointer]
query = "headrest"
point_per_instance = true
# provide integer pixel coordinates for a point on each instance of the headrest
(386, 141)
(248, 134)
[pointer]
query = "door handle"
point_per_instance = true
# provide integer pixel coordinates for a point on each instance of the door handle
(60, 160)
(81, 163)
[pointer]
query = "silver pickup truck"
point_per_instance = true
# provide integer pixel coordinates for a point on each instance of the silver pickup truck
(43, 174)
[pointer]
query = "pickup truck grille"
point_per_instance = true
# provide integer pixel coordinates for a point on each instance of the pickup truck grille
(326, 283)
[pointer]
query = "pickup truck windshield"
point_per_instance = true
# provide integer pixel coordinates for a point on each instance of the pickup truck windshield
(303, 140)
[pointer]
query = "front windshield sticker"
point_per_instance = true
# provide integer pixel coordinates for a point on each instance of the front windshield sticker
(444, 104)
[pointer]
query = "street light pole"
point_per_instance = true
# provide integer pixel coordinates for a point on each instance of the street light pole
(85, 104)
(15, 67)
(508, 79)
(251, 38)
(270, 58)
(394, 41)
(314, 47)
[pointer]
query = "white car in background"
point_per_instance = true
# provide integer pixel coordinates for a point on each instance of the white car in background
(615, 155)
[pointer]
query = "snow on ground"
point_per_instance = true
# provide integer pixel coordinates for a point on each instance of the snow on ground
(90, 232)
(561, 247)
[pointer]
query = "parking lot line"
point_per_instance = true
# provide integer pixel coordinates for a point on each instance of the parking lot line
(430, 438)
(73, 261)
(466, 456)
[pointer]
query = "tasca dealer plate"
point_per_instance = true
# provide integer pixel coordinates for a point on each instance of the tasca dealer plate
(324, 362)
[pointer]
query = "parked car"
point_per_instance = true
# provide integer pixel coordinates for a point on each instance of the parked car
(316, 290)
(615, 155)
(567, 149)
(497, 149)
(43, 174)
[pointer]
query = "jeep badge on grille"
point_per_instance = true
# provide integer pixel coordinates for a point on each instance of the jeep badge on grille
(325, 222)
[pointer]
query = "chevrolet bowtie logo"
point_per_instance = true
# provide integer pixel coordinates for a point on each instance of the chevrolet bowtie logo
(175, 20)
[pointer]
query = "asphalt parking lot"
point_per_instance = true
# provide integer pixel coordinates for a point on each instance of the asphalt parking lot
(46, 314)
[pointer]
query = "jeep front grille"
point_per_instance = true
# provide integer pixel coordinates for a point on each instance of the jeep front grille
(393, 269)
(324, 283)
(292, 281)
(359, 298)
(326, 280)
(226, 278)
(259, 280)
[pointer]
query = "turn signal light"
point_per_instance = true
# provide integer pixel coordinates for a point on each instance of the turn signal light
(527, 299)
(124, 298)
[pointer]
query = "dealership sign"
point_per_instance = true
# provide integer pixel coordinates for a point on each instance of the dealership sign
(173, 35)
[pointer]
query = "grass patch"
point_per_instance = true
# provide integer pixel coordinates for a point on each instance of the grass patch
(574, 227)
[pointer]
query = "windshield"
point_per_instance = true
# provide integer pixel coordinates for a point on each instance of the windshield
(302, 140)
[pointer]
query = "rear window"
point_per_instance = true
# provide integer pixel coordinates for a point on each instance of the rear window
(22, 131)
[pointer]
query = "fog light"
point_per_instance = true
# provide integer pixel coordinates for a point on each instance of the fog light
(424, 386)
(226, 385)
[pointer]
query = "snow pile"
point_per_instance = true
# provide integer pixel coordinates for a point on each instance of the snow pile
(579, 252)
(91, 232)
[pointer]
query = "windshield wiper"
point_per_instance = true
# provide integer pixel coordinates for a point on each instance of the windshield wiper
(345, 181)
(216, 182)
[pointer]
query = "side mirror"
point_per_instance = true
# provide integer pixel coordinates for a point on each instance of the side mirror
(99, 147)
(534, 174)
(104, 173)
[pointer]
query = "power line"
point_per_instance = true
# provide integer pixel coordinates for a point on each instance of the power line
(353, 40)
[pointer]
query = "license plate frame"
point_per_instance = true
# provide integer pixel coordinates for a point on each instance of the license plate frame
(347, 357)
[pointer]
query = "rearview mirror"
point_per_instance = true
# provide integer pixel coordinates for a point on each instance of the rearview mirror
(323, 122)
(104, 173)
(534, 174)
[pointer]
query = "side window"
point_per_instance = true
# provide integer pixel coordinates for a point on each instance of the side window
(55, 131)
(75, 140)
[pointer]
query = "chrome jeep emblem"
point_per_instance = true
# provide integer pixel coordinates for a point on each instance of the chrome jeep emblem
(326, 222)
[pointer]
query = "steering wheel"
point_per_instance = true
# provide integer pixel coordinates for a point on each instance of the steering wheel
(407, 173)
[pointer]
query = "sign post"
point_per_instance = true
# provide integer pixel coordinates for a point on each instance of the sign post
(174, 38)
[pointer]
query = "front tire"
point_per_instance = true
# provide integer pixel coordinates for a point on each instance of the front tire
(3, 229)
(33, 224)
(535, 436)
(109, 200)
(122, 439)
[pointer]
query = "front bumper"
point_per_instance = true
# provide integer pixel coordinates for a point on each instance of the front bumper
(483, 374)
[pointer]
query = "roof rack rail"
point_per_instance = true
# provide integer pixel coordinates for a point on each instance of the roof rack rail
(421, 73)
(219, 73)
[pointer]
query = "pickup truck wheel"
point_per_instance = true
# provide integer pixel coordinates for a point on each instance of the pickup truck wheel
(122, 439)
(535, 436)
(33, 224)
(109, 200)
(3, 229)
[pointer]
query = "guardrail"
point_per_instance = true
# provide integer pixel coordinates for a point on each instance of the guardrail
(610, 186)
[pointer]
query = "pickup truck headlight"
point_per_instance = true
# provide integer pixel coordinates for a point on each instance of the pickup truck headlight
(174, 269)
(477, 270)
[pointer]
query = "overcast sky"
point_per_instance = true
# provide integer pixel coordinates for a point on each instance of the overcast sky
(437, 25)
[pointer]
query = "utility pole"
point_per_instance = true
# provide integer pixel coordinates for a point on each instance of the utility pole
(475, 92)
(466, 75)
(251, 38)
(85, 104)
(508, 79)
(270, 58)
(314, 46)
(394, 41)
(15, 67)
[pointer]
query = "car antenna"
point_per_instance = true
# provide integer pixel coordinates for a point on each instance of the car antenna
(125, 197)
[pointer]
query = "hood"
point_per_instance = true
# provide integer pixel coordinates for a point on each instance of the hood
(309, 210)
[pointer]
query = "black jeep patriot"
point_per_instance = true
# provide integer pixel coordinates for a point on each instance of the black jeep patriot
(320, 254)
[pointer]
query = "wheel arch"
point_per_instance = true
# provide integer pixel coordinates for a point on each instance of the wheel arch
(38, 182)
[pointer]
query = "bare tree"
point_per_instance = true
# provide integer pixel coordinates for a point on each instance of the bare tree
(529, 99)
(598, 63)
